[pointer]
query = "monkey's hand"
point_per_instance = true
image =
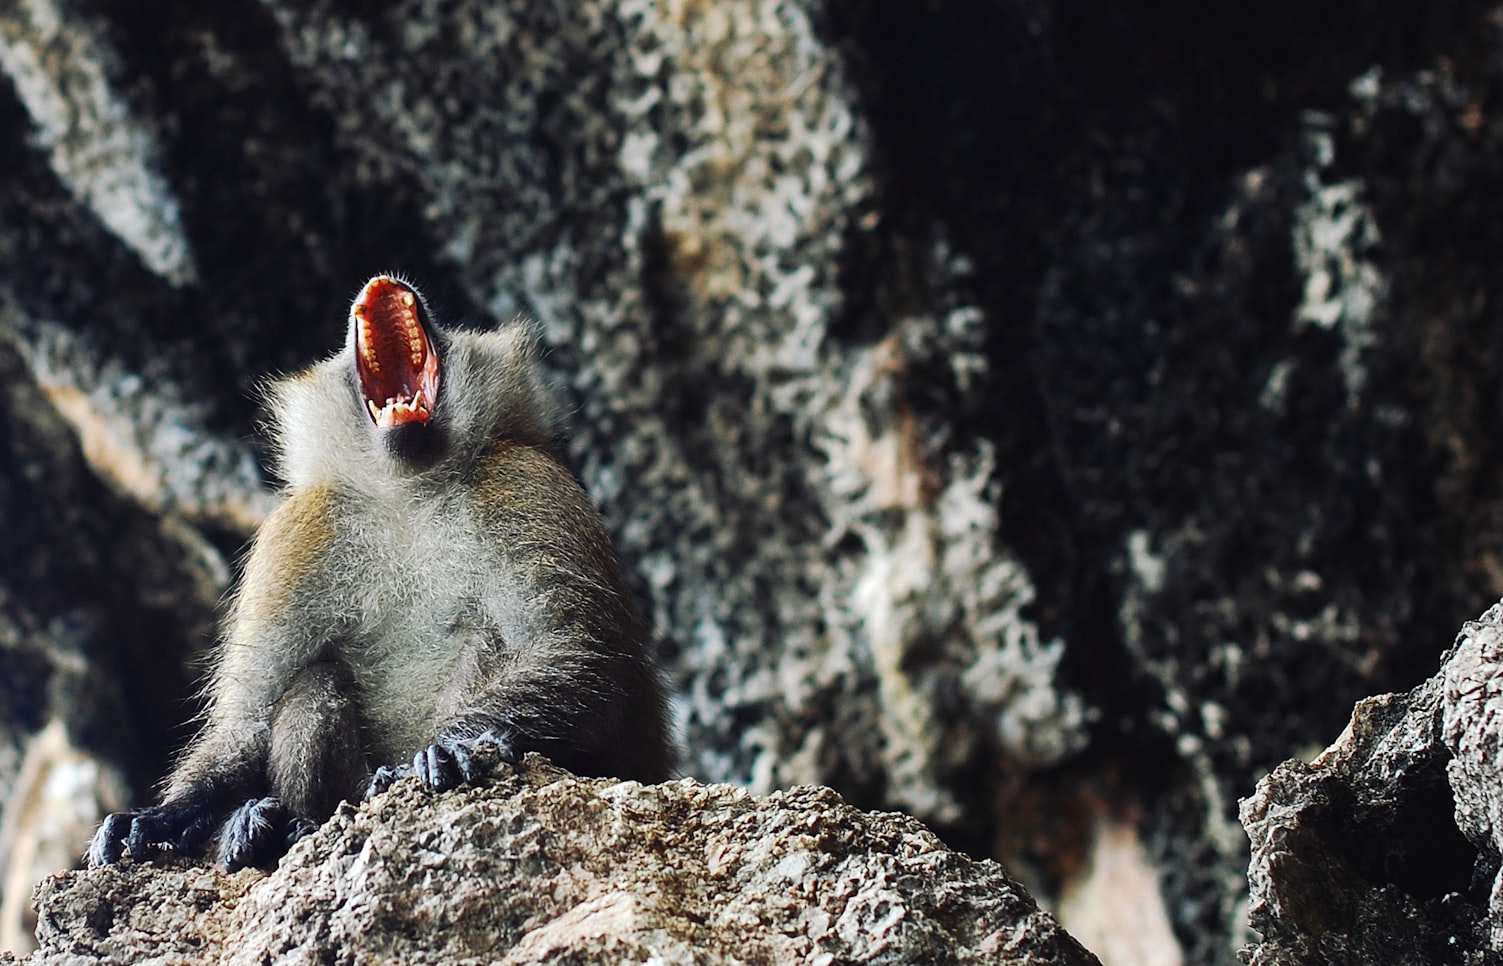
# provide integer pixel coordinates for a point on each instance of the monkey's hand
(450, 761)
(172, 825)
(259, 832)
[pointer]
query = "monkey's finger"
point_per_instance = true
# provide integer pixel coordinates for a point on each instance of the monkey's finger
(257, 833)
(178, 825)
(436, 768)
(464, 762)
(298, 828)
(385, 777)
(506, 750)
(145, 834)
(108, 843)
(491, 738)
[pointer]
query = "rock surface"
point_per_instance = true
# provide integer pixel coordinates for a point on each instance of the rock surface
(541, 867)
(1385, 849)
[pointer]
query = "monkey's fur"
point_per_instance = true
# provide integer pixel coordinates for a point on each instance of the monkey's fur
(426, 585)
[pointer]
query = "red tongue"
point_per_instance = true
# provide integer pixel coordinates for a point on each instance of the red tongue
(397, 367)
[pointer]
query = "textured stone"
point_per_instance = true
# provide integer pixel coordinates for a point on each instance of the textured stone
(1385, 848)
(1472, 728)
(542, 867)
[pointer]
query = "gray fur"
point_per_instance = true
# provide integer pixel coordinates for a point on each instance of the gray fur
(388, 606)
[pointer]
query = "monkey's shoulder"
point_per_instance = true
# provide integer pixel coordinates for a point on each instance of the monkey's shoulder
(506, 467)
(290, 547)
(305, 517)
(524, 491)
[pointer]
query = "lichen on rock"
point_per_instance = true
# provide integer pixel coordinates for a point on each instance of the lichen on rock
(540, 866)
(1386, 847)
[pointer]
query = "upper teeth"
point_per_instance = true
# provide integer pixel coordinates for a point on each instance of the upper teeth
(365, 344)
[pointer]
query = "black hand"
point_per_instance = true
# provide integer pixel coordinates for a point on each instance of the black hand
(176, 825)
(385, 777)
(259, 833)
(451, 761)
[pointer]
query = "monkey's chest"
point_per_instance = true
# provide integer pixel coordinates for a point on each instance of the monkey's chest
(417, 620)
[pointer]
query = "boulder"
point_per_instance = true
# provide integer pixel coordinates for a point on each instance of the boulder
(1385, 848)
(538, 866)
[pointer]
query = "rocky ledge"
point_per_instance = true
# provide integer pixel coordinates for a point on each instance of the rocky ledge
(540, 866)
(1385, 848)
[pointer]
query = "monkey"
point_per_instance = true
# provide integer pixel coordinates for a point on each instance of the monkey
(433, 579)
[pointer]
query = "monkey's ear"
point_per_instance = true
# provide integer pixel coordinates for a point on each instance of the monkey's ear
(496, 388)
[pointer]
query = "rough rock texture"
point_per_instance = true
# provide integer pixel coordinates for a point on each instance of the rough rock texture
(541, 867)
(1385, 849)
(1040, 418)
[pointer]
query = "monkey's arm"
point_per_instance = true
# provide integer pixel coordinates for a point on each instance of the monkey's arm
(271, 637)
(584, 718)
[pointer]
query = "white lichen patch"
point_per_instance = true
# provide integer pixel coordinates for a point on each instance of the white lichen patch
(756, 202)
(103, 151)
(1335, 243)
(934, 598)
(143, 440)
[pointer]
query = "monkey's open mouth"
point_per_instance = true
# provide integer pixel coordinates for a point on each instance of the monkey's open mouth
(395, 362)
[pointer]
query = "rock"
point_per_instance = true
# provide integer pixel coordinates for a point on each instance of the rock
(1386, 847)
(540, 866)
(1472, 728)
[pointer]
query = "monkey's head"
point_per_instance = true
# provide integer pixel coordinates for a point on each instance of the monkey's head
(406, 395)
